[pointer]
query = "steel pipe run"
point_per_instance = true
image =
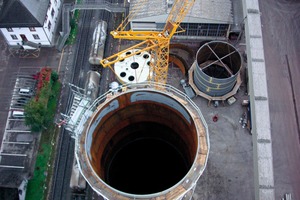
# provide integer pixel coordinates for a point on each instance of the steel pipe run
(143, 144)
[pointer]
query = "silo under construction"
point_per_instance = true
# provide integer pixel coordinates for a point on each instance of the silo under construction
(143, 143)
(215, 74)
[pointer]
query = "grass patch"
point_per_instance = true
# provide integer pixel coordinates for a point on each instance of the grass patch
(74, 28)
(38, 186)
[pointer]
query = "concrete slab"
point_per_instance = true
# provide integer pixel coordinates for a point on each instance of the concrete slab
(262, 122)
(261, 83)
(24, 138)
(263, 159)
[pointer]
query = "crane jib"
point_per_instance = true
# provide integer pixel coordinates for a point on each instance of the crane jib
(155, 40)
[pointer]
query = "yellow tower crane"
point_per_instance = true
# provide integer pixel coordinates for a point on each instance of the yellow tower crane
(155, 42)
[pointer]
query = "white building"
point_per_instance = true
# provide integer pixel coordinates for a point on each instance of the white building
(29, 22)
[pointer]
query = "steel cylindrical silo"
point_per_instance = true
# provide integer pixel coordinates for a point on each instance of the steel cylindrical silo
(217, 67)
(143, 144)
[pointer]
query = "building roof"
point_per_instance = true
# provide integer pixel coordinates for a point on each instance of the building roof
(203, 11)
(23, 13)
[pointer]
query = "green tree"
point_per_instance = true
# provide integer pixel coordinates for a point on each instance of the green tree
(35, 113)
(40, 111)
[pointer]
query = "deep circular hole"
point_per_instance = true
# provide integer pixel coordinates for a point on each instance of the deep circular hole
(148, 63)
(148, 160)
(146, 56)
(122, 74)
(131, 78)
(212, 51)
(134, 65)
(128, 53)
(139, 144)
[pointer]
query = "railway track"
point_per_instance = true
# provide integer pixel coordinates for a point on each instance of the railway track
(65, 149)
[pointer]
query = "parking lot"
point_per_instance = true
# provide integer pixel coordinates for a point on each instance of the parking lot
(18, 146)
(17, 73)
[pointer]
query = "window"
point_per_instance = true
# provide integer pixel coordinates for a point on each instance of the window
(35, 36)
(23, 37)
(31, 28)
(46, 18)
(52, 12)
(49, 25)
(49, 6)
(14, 37)
(9, 29)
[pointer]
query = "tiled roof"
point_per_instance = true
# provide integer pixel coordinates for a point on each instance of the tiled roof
(23, 13)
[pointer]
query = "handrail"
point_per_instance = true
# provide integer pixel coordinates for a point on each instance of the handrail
(170, 90)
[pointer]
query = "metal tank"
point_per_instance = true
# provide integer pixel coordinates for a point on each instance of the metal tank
(215, 74)
(98, 44)
(143, 143)
(92, 84)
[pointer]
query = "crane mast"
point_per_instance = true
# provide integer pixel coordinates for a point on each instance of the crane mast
(155, 42)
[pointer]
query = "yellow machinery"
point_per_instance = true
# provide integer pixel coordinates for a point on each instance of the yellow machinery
(155, 42)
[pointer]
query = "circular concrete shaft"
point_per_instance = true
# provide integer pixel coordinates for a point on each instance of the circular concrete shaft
(143, 143)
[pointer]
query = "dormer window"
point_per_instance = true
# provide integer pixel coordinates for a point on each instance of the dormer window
(9, 29)
(36, 37)
(14, 37)
(52, 12)
(32, 29)
(49, 25)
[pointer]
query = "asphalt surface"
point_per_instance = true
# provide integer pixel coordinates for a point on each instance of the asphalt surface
(281, 36)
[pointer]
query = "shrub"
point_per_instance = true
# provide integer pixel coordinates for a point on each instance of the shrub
(40, 111)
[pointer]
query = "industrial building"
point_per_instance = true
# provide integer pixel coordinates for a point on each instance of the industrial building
(207, 20)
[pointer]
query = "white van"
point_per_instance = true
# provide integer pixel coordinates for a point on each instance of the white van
(24, 91)
(18, 114)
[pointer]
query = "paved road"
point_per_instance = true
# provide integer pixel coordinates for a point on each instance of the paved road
(281, 33)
